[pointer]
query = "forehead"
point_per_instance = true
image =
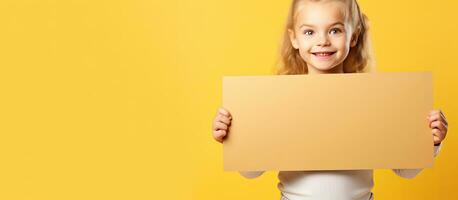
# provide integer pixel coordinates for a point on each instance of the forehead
(320, 13)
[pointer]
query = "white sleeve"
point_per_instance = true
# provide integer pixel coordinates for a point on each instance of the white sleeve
(251, 174)
(411, 173)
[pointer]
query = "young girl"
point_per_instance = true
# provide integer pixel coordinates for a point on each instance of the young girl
(328, 36)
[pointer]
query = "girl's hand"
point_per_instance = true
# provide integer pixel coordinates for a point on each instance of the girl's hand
(221, 124)
(438, 124)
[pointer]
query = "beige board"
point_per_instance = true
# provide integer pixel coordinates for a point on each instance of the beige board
(328, 121)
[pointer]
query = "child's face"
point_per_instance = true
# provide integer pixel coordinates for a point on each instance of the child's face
(322, 35)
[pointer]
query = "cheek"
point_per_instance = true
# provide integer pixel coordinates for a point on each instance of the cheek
(342, 44)
(304, 50)
(304, 45)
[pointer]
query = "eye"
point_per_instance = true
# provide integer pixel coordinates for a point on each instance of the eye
(335, 30)
(308, 32)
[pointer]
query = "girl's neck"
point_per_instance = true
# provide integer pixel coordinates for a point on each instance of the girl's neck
(335, 70)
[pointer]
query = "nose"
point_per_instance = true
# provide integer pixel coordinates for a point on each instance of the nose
(323, 40)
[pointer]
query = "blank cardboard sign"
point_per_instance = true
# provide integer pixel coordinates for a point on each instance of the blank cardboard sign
(328, 121)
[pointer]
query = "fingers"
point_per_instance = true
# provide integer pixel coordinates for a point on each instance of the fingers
(219, 131)
(439, 125)
(437, 115)
(219, 135)
(437, 133)
(221, 124)
(437, 120)
(224, 119)
(437, 136)
(436, 140)
(224, 112)
(434, 117)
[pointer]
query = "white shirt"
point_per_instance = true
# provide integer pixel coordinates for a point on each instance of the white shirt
(331, 185)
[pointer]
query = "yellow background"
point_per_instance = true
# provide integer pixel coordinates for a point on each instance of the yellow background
(115, 99)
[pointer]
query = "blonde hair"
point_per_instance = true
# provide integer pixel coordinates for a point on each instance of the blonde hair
(359, 59)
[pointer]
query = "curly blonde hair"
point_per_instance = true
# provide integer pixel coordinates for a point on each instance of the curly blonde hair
(359, 59)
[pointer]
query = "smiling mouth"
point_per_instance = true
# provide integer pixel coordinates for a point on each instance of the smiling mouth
(323, 54)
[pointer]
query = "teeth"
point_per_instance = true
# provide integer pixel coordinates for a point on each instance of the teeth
(323, 54)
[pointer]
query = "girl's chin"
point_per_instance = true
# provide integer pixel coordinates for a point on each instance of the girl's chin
(324, 68)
